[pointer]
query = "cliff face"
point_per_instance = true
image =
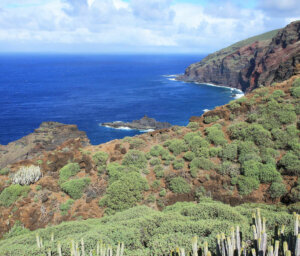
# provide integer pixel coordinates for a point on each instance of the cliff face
(261, 60)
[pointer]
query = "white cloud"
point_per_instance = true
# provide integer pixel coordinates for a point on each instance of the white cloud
(137, 25)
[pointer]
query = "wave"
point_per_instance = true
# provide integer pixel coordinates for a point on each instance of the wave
(125, 128)
(205, 110)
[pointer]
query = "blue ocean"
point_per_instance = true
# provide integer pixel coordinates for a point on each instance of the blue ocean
(87, 90)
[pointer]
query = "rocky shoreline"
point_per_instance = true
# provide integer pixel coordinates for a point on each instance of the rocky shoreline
(144, 123)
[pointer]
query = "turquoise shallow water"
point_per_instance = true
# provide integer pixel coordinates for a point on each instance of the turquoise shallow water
(90, 89)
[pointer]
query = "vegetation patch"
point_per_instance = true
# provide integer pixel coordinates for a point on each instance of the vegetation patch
(74, 188)
(10, 194)
(179, 185)
(68, 171)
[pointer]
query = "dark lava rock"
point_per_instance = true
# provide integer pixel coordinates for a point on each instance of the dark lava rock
(145, 123)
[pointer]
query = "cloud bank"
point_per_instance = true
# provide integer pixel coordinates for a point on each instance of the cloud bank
(107, 26)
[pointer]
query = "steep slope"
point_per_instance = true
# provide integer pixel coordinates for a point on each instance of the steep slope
(261, 60)
(245, 151)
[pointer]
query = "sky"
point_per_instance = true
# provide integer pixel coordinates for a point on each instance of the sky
(137, 26)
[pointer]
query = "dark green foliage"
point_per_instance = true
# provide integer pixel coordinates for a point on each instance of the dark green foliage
(194, 172)
(189, 136)
(199, 146)
(291, 163)
(268, 173)
(284, 137)
(277, 94)
(177, 146)
(179, 185)
(4, 171)
(233, 105)
(211, 119)
(17, 230)
(296, 82)
(247, 184)
(250, 132)
(178, 164)
(135, 158)
(116, 171)
(158, 150)
(229, 168)
(251, 168)
(277, 189)
(296, 92)
(230, 152)
(156, 184)
(159, 172)
(247, 150)
(215, 135)
(125, 192)
(100, 158)
(10, 194)
(65, 207)
(68, 171)
(189, 156)
(202, 163)
(162, 193)
(155, 161)
(215, 151)
(151, 198)
(194, 126)
(74, 188)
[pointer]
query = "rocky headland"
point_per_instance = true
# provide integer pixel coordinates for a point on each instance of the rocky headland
(246, 65)
(144, 123)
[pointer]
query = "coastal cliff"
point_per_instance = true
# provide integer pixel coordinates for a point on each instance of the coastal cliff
(248, 64)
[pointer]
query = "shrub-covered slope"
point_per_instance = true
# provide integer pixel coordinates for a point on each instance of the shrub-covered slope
(145, 231)
(245, 151)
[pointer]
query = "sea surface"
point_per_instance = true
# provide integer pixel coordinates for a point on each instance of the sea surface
(87, 90)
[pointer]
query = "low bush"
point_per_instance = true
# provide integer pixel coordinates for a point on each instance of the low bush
(155, 161)
(135, 158)
(277, 189)
(124, 193)
(135, 143)
(296, 92)
(230, 152)
(269, 155)
(10, 194)
(296, 83)
(162, 193)
(159, 172)
(247, 150)
(215, 151)
(215, 135)
(158, 150)
(178, 164)
(189, 156)
(291, 163)
(177, 146)
(194, 126)
(179, 185)
(229, 168)
(156, 184)
(4, 171)
(194, 172)
(202, 163)
(199, 146)
(247, 184)
(189, 136)
(100, 159)
(74, 188)
(116, 171)
(268, 173)
(211, 119)
(17, 230)
(27, 175)
(68, 171)
(65, 207)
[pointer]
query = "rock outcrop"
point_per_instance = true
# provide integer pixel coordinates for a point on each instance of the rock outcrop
(46, 138)
(246, 65)
(144, 123)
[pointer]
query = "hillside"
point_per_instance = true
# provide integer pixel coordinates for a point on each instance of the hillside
(245, 151)
(248, 64)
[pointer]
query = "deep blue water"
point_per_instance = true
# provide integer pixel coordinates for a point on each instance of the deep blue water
(89, 89)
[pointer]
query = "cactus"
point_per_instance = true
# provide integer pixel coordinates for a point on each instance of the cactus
(27, 175)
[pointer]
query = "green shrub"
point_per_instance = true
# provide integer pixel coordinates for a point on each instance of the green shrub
(178, 164)
(281, 138)
(194, 126)
(135, 158)
(262, 91)
(291, 163)
(199, 146)
(136, 143)
(65, 207)
(38, 187)
(4, 171)
(215, 151)
(211, 119)
(177, 146)
(229, 168)
(189, 136)
(74, 188)
(100, 158)
(268, 173)
(158, 150)
(68, 171)
(179, 185)
(151, 198)
(233, 105)
(155, 161)
(296, 92)
(116, 171)
(10, 194)
(247, 184)
(247, 150)
(296, 82)
(251, 168)
(189, 156)
(277, 189)
(162, 193)
(159, 172)
(194, 172)
(277, 94)
(215, 135)
(269, 155)
(124, 193)
(202, 163)
(156, 184)
(17, 230)
(230, 152)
